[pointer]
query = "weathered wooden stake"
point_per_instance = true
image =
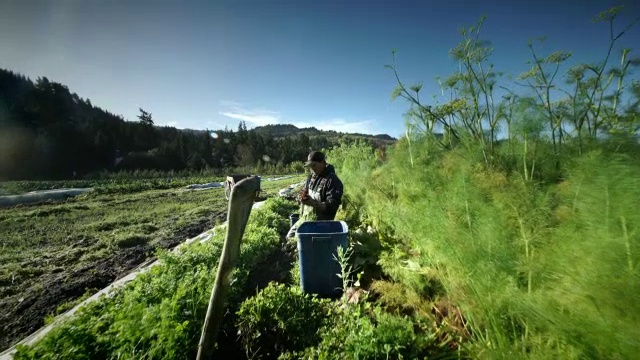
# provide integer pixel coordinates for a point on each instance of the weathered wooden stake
(243, 195)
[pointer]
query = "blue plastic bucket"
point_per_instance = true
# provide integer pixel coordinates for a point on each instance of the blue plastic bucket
(318, 243)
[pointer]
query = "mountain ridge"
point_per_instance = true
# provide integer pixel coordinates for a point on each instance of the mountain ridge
(283, 130)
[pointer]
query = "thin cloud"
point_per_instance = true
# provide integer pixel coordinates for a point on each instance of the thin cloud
(342, 125)
(257, 117)
(261, 117)
(252, 117)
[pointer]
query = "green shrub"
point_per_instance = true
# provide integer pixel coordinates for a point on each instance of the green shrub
(539, 269)
(295, 273)
(279, 319)
(280, 206)
(354, 163)
(365, 332)
(270, 219)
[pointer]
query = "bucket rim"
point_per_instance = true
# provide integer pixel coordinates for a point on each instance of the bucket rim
(345, 228)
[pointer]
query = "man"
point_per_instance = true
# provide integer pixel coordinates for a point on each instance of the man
(322, 193)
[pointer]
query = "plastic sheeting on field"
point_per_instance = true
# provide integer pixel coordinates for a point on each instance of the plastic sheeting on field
(278, 178)
(214, 185)
(211, 185)
(41, 196)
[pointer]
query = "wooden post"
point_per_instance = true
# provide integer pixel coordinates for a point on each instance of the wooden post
(243, 195)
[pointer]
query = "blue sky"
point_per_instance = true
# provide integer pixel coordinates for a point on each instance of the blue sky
(209, 64)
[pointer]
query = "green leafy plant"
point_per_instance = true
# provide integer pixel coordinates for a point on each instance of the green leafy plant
(347, 270)
(280, 319)
(295, 273)
(365, 332)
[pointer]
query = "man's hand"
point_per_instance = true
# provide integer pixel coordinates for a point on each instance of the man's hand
(318, 205)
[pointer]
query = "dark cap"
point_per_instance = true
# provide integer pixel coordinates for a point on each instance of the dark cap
(314, 156)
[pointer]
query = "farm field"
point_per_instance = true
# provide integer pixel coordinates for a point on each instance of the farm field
(503, 223)
(54, 254)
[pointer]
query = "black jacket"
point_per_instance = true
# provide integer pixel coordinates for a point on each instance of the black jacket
(330, 188)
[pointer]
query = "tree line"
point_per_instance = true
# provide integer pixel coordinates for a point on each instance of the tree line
(49, 132)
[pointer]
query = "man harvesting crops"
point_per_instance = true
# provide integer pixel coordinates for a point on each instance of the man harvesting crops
(322, 192)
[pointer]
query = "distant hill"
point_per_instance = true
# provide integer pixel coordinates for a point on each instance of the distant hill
(287, 130)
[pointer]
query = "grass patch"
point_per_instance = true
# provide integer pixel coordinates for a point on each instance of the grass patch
(130, 240)
(280, 319)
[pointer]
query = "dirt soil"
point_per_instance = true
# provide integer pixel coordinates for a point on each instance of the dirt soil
(23, 313)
